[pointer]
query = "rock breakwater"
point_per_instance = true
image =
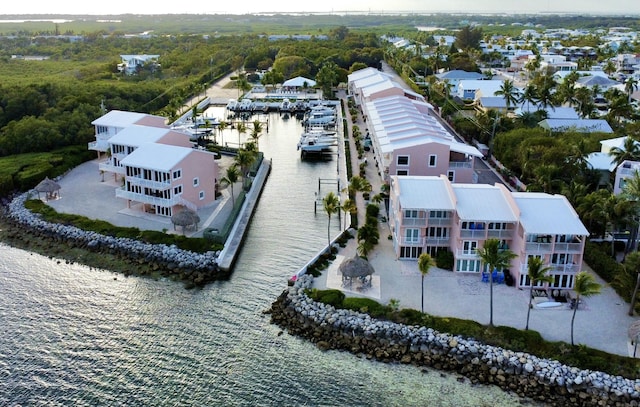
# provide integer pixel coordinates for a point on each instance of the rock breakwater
(529, 376)
(168, 260)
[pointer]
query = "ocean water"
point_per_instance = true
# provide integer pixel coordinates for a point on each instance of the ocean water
(77, 336)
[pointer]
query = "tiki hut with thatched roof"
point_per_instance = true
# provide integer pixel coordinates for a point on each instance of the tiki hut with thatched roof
(49, 187)
(356, 268)
(186, 218)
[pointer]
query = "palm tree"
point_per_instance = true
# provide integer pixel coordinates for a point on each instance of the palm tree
(349, 207)
(256, 131)
(632, 266)
(630, 150)
(537, 274)
(509, 92)
(241, 128)
(425, 262)
(530, 95)
(585, 286)
(494, 258)
(331, 204)
(222, 126)
(230, 179)
(630, 85)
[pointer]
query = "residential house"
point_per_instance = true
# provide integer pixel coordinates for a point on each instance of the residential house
(408, 140)
(472, 90)
(454, 77)
(130, 138)
(579, 125)
(431, 214)
(160, 177)
(132, 63)
(111, 123)
(627, 169)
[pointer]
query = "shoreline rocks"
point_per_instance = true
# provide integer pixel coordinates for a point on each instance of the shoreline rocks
(527, 375)
(192, 268)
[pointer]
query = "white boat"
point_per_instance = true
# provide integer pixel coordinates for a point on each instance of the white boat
(320, 121)
(286, 106)
(317, 140)
(232, 104)
(244, 105)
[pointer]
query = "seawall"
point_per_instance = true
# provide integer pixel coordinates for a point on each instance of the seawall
(528, 376)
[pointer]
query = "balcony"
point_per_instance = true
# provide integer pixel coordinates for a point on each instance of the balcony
(564, 268)
(436, 241)
(103, 136)
(411, 241)
(466, 254)
(503, 234)
(143, 182)
(568, 247)
(440, 221)
(414, 221)
(99, 145)
(537, 248)
(460, 164)
(149, 199)
(108, 167)
(473, 233)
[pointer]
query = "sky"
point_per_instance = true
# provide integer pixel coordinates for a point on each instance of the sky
(112, 7)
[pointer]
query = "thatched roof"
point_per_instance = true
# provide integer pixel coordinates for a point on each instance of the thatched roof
(47, 185)
(356, 267)
(185, 217)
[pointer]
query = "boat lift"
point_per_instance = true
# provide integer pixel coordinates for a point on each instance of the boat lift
(318, 195)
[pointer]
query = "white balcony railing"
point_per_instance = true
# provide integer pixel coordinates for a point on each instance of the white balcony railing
(148, 183)
(504, 234)
(414, 221)
(108, 167)
(468, 254)
(99, 145)
(555, 268)
(436, 241)
(532, 247)
(473, 233)
(148, 199)
(568, 247)
(460, 164)
(440, 221)
(410, 241)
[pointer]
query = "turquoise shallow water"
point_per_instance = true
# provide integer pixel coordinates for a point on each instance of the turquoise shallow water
(74, 336)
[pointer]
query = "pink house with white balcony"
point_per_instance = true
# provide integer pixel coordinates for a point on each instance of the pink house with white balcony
(160, 177)
(130, 138)
(431, 214)
(407, 140)
(115, 121)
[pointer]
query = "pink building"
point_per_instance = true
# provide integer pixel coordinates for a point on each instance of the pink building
(159, 177)
(407, 140)
(431, 214)
(113, 122)
(130, 138)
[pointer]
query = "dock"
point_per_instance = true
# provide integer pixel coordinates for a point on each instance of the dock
(232, 246)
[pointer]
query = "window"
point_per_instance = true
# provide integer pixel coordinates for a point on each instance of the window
(201, 195)
(435, 231)
(451, 175)
(412, 235)
(469, 246)
(438, 214)
(409, 213)
(196, 182)
(403, 160)
(432, 160)
(402, 172)
(410, 252)
(177, 174)
(177, 190)
(468, 265)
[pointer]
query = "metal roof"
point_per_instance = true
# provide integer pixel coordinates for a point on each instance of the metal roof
(542, 213)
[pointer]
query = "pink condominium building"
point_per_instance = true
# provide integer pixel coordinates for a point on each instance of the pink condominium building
(430, 214)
